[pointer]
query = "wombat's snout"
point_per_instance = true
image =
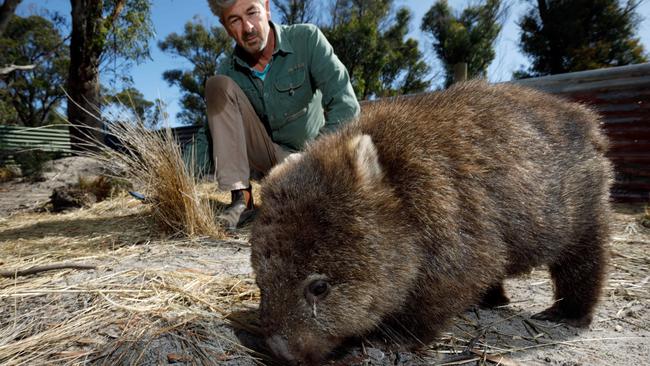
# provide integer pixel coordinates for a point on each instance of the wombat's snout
(280, 348)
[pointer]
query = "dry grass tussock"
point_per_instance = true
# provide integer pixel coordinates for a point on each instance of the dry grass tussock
(152, 161)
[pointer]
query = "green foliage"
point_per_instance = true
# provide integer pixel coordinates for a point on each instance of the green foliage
(124, 35)
(30, 97)
(404, 71)
(370, 43)
(204, 48)
(8, 115)
(138, 109)
(465, 38)
(563, 36)
(133, 100)
(296, 11)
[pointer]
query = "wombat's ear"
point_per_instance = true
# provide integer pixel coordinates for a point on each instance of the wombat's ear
(365, 158)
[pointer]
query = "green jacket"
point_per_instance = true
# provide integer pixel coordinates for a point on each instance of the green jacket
(306, 91)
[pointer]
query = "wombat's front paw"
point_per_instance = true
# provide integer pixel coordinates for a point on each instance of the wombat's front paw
(493, 297)
(556, 315)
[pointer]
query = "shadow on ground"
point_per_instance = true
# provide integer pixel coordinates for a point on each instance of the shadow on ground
(131, 226)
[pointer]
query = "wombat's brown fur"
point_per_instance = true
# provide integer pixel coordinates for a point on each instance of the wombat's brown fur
(422, 208)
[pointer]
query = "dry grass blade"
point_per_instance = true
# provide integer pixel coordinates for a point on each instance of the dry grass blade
(153, 161)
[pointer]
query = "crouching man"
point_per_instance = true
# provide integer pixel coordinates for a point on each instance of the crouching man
(281, 87)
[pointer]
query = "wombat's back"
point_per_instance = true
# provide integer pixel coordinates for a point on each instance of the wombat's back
(522, 165)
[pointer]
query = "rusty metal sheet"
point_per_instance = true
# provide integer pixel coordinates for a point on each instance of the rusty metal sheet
(621, 95)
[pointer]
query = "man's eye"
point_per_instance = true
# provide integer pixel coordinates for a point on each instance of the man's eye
(234, 21)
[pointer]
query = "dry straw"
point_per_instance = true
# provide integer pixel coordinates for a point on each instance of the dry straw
(127, 317)
(152, 160)
(138, 307)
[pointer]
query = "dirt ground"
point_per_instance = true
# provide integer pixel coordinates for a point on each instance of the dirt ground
(20, 195)
(124, 247)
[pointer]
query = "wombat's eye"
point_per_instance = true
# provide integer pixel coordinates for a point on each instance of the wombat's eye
(318, 288)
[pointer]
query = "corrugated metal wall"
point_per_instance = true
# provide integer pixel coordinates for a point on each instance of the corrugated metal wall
(622, 96)
(185, 134)
(55, 138)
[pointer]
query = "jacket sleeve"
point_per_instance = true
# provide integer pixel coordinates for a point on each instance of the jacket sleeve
(331, 78)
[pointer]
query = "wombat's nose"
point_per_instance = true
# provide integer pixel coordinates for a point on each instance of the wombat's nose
(280, 348)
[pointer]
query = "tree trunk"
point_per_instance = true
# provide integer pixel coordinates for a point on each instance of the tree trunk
(86, 46)
(7, 9)
(460, 72)
(555, 57)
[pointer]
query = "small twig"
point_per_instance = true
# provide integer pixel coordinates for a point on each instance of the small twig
(632, 323)
(458, 359)
(39, 269)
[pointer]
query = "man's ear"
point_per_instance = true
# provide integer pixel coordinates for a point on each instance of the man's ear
(225, 26)
(365, 158)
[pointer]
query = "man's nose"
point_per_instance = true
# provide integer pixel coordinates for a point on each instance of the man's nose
(248, 25)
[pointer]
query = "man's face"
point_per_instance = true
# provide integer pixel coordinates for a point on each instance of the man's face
(248, 23)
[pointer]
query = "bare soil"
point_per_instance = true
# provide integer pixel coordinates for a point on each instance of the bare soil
(619, 334)
(21, 194)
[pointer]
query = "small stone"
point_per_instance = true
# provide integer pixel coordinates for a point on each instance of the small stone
(375, 354)
(618, 328)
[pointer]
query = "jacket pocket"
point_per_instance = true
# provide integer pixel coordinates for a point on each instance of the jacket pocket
(292, 81)
(290, 117)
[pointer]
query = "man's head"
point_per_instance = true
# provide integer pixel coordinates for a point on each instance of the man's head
(246, 21)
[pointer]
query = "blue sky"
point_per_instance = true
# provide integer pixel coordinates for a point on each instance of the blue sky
(170, 15)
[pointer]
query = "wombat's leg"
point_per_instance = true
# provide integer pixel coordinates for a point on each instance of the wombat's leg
(494, 296)
(578, 278)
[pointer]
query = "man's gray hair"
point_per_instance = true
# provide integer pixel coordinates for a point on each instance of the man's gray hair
(217, 6)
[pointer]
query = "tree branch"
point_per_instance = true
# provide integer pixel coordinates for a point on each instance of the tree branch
(38, 269)
(115, 14)
(11, 68)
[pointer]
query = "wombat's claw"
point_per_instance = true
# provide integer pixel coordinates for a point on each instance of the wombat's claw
(555, 315)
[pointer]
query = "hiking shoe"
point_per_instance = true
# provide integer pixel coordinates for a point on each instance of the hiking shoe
(239, 211)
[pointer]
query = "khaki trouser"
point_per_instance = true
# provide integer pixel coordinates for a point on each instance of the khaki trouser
(240, 142)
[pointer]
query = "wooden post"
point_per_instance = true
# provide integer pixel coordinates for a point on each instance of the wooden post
(460, 72)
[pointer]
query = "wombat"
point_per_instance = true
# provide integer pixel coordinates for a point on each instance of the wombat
(422, 207)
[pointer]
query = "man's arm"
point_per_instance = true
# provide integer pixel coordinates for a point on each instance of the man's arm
(331, 77)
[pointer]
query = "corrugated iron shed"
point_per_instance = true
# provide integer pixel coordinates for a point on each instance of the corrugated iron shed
(622, 96)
